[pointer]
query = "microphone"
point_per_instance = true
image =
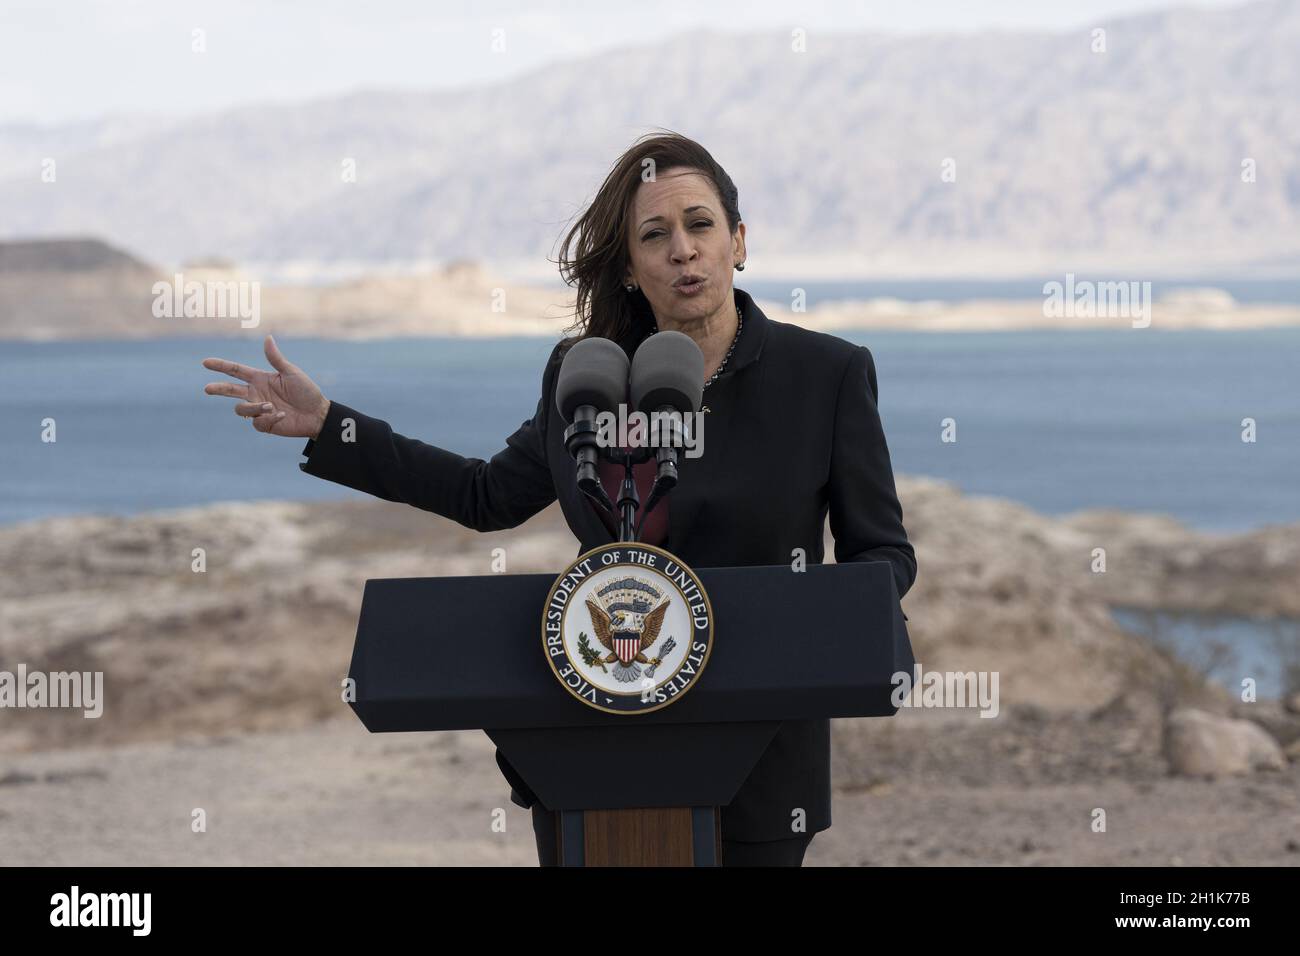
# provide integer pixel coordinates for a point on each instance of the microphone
(593, 379)
(667, 377)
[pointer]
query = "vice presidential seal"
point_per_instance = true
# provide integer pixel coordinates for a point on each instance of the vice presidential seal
(627, 628)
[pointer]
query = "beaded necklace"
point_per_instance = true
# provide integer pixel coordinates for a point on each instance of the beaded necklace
(740, 324)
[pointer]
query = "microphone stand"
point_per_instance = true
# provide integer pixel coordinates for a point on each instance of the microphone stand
(624, 511)
(629, 501)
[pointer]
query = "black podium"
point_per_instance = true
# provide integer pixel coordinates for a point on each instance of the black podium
(458, 653)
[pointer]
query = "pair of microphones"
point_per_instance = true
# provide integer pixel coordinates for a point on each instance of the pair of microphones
(665, 376)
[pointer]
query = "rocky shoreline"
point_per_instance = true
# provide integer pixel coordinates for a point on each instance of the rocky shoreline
(100, 295)
(221, 688)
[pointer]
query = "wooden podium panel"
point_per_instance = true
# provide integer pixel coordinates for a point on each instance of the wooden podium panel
(640, 836)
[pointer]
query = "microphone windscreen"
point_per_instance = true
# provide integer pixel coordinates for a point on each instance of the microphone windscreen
(668, 369)
(594, 372)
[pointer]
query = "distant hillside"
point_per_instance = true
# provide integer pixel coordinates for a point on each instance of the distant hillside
(1065, 158)
(64, 255)
(74, 288)
(86, 288)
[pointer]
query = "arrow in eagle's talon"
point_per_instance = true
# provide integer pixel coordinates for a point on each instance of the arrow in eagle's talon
(668, 646)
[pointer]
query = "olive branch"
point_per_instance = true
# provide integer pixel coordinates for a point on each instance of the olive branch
(590, 656)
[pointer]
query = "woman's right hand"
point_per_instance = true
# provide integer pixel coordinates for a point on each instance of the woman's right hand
(284, 402)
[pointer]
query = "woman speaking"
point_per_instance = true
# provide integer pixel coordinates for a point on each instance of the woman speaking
(793, 434)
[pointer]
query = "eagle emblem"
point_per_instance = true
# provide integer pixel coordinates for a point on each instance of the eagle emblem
(648, 614)
(627, 615)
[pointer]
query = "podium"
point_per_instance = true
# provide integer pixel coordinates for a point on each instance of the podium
(459, 653)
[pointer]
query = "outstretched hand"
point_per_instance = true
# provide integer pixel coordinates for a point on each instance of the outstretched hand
(281, 402)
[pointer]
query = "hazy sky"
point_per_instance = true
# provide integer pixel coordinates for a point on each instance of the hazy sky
(62, 60)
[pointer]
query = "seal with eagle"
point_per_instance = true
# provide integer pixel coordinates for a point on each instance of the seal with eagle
(627, 626)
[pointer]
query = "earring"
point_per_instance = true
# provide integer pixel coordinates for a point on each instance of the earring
(630, 288)
(740, 266)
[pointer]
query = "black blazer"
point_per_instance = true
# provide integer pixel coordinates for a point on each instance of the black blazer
(792, 435)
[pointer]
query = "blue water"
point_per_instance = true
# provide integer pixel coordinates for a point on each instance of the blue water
(1227, 650)
(1250, 290)
(1144, 420)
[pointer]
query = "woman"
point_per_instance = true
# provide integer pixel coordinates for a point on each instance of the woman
(792, 434)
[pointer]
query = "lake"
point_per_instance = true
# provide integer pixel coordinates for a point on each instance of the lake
(1142, 420)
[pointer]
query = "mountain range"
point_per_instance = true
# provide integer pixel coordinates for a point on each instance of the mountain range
(1065, 157)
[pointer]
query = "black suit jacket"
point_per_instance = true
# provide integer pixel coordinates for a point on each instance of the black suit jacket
(792, 435)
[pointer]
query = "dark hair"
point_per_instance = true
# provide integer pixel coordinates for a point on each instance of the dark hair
(593, 257)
